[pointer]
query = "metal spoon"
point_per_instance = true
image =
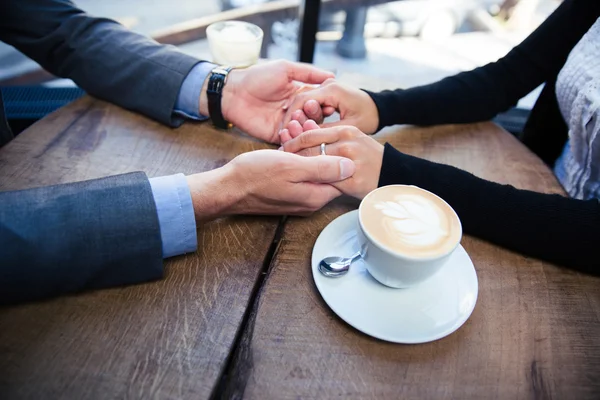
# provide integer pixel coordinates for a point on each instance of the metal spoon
(334, 267)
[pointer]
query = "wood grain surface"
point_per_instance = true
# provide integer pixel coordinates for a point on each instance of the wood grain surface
(164, 340)
(533, 334)
(216, 326)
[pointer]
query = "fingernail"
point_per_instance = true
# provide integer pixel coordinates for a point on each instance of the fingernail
(346, 168)
(280, 149)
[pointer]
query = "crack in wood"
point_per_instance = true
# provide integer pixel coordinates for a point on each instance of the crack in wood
(238, 367)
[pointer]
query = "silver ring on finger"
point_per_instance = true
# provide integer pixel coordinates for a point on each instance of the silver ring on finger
(323, 153)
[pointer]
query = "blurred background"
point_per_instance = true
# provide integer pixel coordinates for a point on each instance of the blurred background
(371, 43)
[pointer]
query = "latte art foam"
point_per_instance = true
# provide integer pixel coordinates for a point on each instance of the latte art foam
(411, 221)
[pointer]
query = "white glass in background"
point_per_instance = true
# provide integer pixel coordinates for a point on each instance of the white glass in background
(234, 43)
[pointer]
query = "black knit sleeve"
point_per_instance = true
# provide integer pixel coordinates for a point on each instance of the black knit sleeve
(550, 227)
(482, 93)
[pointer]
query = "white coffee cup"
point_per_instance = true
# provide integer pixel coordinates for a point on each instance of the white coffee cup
(395, 266)
(234, 43)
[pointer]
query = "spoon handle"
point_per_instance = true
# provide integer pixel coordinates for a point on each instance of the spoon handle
(355, 256)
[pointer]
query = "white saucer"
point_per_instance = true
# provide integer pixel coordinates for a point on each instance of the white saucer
(423, 313)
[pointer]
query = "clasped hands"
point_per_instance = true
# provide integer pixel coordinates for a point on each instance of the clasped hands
(272, 102)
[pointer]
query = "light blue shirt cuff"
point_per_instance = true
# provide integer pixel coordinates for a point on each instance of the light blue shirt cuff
(175, 214)
(188, 100)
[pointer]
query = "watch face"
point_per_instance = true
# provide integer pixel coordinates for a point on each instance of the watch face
(216, 81)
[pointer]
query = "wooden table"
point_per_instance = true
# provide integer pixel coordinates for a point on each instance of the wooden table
(242, 317)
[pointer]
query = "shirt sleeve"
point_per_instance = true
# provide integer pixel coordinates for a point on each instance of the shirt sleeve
(175, 214)
(554, 228)
(188, 100)
(480, 94)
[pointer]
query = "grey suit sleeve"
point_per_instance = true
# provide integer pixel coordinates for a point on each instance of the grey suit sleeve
(67, 238)
(101, 56)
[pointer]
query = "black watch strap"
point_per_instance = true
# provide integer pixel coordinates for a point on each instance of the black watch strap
(214, 93)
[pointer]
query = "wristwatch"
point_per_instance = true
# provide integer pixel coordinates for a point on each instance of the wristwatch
(214, 93)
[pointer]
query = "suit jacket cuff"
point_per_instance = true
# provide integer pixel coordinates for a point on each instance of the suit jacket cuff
(175, 214)
(188, 100)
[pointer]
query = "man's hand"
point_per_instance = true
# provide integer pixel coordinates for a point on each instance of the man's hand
(268, 182)
(355, 107)
(344, 141)
(255, 99)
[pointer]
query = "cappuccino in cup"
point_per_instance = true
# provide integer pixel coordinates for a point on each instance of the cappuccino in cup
(408, 234)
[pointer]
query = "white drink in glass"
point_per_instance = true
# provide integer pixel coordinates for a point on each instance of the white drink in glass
(234, 43)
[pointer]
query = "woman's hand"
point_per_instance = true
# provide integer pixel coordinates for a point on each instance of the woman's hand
(355, 107)
(344, 141)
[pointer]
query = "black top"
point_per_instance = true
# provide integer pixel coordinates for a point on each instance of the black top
(551, 227)
(480, 94)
